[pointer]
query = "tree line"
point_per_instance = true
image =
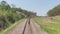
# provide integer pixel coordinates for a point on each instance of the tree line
(9, 15)
(55, 11)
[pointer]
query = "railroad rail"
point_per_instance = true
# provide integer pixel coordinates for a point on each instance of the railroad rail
(27, 23)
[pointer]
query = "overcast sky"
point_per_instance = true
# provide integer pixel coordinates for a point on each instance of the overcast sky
(41, 7)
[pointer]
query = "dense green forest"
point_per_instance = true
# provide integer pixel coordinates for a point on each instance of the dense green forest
(9, 15)
(55, 11)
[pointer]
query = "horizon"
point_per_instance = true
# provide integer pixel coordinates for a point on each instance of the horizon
(41, 7)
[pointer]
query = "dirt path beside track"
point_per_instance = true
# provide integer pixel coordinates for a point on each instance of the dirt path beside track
(27, 27)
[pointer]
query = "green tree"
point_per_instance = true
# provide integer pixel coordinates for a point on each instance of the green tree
(55, 11)
(4, 5)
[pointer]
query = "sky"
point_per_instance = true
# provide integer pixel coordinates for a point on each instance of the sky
(41, 7)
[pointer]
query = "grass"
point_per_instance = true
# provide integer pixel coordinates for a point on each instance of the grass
(11, 27)
(57, 17)
(51, 28)
(38, 20)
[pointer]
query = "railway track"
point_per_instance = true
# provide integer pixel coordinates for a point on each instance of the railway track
(27, 27)
(27, 24)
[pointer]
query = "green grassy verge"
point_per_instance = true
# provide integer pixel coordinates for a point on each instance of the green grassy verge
(38, 20)
(51, 28)
(11, 27)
